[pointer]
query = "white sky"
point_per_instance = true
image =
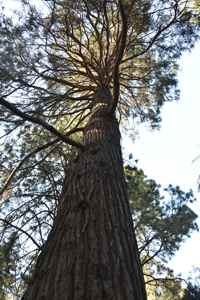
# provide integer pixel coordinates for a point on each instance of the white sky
(166, 155)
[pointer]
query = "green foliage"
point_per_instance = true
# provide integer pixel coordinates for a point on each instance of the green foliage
(9, 256)
(161, 224)
(192, 292)
(196, 17)
(170, 289)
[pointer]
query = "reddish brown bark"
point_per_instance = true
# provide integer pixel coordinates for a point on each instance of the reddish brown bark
(91, 252)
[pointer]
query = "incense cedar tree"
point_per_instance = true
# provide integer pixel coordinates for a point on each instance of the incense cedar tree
(70, 72)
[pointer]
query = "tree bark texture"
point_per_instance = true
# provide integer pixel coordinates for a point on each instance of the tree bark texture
(91, 251)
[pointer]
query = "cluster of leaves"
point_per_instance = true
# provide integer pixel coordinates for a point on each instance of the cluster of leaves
(8, 258)
(196, 18)
(176, 291)
(192, 292)
(161, 225)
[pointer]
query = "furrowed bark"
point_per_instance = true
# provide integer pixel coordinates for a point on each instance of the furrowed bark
(91, 252)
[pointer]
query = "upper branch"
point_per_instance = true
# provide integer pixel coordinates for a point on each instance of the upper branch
(161, 29)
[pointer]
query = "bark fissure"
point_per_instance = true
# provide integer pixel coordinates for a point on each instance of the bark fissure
(91, 252)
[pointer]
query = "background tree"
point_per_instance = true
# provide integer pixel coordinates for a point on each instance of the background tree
(191, 292)
(162, 222)
(64, 66)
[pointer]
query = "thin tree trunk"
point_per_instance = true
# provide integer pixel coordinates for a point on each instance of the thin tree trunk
(91, 252)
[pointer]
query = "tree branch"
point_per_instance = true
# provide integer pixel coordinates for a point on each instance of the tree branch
(38, 121)
(119, 57)
(155, 37)
(161, 279)
(151, 257)
(147, 243)
(23, 231)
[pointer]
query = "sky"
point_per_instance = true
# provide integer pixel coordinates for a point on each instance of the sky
(166, 155)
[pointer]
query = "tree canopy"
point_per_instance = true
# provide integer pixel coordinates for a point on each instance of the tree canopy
(63, 51)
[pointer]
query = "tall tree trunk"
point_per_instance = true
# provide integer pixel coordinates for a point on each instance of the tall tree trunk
(91, 252)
